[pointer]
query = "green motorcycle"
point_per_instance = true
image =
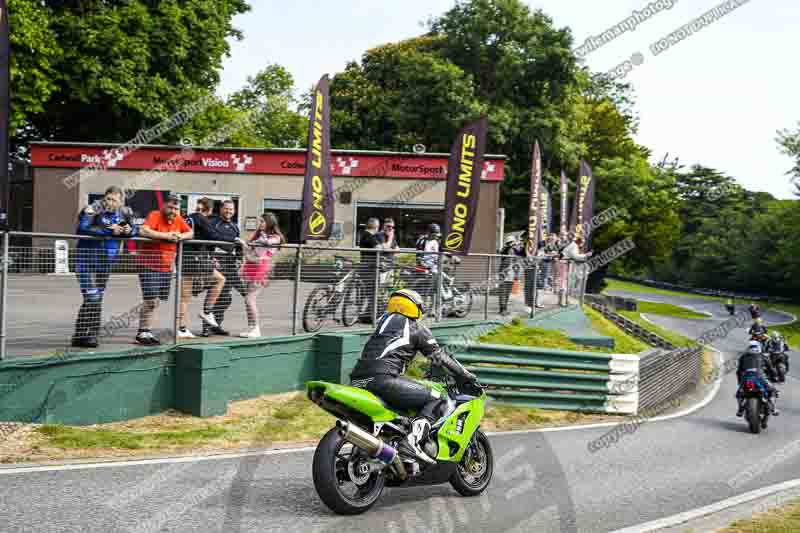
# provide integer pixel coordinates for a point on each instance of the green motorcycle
(360, 456)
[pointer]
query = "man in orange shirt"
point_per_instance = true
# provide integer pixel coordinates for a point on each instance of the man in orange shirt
(166, 228)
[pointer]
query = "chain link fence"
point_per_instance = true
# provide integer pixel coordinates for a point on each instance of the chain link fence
(73, 293)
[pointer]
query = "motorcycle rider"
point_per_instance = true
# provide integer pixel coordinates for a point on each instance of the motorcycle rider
(758, 329)
(755, 311)
(397, 338)
(752, 362)
(729, 305)
(777, 344)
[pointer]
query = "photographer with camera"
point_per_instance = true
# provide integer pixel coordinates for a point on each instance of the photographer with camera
(104, 218)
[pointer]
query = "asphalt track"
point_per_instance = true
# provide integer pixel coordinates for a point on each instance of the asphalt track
(544, 481)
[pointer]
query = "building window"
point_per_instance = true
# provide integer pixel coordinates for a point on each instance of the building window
(411, 220)
(290, 216)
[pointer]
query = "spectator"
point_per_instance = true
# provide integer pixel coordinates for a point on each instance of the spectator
(572, 251)
(371, 240)
(509, 270)
(429, 242)
(166, 228)
(550, 251)
(200, 273)
(389, 238)
(258, 254)
(229, 263)
(106, 217)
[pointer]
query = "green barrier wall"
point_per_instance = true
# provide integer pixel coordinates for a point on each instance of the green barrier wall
(199, 379)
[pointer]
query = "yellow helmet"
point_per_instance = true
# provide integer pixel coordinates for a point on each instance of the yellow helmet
(407, 303)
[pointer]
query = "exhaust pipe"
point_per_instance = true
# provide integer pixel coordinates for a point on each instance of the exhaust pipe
(374, 446)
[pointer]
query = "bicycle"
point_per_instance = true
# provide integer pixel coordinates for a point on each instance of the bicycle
(323, 302)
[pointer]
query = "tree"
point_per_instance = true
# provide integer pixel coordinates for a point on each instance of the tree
(260, 115)
(400, 95)
(789, 142)
(34, 55)
(122, 66)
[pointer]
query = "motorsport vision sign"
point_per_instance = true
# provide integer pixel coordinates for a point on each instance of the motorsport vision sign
(318, 184)
(464, 170)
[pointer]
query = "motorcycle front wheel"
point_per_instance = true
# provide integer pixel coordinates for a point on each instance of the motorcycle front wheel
(342, 477)
(475, 470)
(462, 300)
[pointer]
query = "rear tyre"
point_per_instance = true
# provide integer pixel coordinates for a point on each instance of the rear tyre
(475, 470)
(333, 471)
(316, 309)
(753, 413)
(781, 370)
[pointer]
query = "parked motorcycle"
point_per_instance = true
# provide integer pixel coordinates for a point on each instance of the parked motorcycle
(355, 460)
(757, 409)
(457, 298)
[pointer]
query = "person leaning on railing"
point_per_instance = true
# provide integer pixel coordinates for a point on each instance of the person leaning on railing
(166, 228)
(199, 270)
(103, 218)
(229, 259)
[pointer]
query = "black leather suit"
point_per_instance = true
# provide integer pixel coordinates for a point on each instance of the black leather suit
(386, 355)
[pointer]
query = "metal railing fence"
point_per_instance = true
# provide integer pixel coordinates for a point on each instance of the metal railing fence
(60, 292)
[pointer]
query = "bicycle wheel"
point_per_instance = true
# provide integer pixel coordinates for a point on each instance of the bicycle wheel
(315, 311)
(353, 305)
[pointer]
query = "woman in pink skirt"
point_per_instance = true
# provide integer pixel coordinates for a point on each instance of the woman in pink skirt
(255, 270)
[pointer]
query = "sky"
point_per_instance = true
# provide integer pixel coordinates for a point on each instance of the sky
(715, 98)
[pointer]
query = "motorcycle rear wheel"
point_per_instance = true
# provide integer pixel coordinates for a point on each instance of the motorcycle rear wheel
(332, 471)
(753, 413)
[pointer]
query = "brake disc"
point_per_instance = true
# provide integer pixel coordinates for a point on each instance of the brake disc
(359, 471)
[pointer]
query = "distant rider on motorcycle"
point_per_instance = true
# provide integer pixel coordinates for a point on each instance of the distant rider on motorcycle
(777, 344)
(755, 311)
(397, 338)
(758, 330)
(751, 364)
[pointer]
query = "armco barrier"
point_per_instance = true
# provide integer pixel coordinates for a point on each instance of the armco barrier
(556, 379)
(632, 328)
(667, 375)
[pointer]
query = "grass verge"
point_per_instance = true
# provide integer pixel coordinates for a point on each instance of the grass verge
(517, 333)
(778, 520)
(623, 343)
(676, 311)
(627, 286)
(675, 338)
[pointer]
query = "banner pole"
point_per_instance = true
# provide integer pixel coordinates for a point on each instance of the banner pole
(298, 267)
(178, 293)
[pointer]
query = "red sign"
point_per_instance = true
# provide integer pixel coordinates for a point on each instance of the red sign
(246, 162)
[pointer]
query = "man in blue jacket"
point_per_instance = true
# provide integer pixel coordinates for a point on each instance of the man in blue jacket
(104, 218)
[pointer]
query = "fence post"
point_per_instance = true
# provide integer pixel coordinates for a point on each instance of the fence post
(377, 287)
(488, 288)
(178, 292)
(585, 277)
(298, 267)
(534, 299)
(437, 295)
(4, 296)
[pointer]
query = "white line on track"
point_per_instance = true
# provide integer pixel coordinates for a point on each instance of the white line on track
(681, 518)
